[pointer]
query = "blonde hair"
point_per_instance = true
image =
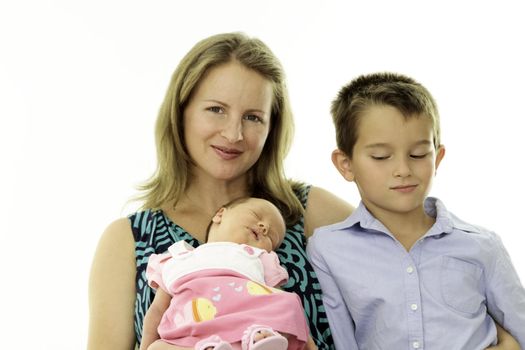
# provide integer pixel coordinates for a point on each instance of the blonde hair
(268, 181)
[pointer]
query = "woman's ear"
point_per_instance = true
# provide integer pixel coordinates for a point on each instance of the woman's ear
(217, 218)
(343, 164)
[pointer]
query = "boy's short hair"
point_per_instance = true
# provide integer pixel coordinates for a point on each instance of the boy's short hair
(405, 94)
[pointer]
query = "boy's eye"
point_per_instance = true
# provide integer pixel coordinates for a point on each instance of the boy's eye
(380, 157)
(418, 156)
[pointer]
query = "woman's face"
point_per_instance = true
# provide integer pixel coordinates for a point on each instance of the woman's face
(227, 121)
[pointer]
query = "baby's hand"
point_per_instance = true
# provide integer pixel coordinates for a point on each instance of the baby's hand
(310, 344)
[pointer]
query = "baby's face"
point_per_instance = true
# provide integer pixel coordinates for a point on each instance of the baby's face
(255, 222)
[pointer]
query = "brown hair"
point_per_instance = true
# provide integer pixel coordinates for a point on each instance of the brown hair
(401, 92)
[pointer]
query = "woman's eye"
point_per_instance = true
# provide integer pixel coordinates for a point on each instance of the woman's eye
(216, 109)
(253, 118)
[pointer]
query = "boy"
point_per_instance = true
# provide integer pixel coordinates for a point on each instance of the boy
(402, 272)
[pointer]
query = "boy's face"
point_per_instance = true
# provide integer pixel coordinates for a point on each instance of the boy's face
(394, 161)
(255, 222)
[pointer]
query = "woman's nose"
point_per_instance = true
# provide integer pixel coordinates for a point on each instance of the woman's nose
(232, 130)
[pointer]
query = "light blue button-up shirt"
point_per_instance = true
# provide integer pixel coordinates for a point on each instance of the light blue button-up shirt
(436, 296)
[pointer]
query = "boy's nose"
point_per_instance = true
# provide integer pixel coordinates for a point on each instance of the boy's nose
(402, 169)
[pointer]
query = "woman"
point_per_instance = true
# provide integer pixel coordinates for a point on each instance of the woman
(223, 131)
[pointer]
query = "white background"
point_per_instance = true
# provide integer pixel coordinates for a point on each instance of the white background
(81, 83)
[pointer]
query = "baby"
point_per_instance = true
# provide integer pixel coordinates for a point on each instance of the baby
(220, 295)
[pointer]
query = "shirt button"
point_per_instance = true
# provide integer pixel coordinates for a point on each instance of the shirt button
(413, 307)
(410, 269)
(415, 345)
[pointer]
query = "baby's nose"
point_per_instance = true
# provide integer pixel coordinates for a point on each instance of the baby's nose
(262, 228)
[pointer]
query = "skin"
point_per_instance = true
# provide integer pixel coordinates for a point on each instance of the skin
(227, 122)
(255, 222)
(112, 280)
(393, 164)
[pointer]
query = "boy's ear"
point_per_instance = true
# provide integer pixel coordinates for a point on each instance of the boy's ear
(217, 218)
(343, 164)
(440, 153)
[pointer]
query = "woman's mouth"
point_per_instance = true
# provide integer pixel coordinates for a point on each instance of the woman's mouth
(226, 153)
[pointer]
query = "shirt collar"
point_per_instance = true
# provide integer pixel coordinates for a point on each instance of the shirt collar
(445, 221)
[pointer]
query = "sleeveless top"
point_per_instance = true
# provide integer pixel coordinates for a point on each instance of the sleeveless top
(154, 233)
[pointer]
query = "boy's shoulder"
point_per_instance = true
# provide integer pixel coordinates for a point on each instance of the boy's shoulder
(326, 239)
(449, 222)
(342, 226)
(472, 231)
(465, 226)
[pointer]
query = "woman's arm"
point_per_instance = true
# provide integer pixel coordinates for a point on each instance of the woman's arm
(112, 290)
(505, 341)
(153, 317)
(324, 208)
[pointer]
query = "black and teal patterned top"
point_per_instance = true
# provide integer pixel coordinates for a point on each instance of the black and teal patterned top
(154, 232)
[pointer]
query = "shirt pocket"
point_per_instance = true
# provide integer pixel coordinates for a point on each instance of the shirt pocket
(461, 286)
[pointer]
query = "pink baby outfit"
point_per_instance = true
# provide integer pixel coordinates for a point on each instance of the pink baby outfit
(222, 288)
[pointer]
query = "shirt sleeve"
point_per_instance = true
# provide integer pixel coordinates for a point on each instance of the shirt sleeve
(154, 270)
(505, 293)
(274, 274)
(339, 318)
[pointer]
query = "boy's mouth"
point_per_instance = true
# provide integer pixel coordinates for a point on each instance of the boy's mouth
(404, 188)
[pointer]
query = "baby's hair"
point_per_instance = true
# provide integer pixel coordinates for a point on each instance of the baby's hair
(229, 204)
(405, 94)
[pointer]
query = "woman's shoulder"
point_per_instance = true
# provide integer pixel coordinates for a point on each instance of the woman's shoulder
(301, 191)
(116, 243)
(324, 208)
(144, 222)
(143, 215)
(116, 233)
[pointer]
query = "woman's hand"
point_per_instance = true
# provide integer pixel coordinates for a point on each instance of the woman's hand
(505, 341)
(160, 304)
